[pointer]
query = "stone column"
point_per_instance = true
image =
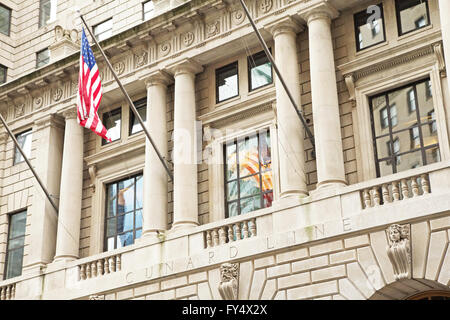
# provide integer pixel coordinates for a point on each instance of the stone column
(70, 195)
(290, 128)
(325, 105)
(48, 135)
(185, 206)
(155, 175)
(444, 9)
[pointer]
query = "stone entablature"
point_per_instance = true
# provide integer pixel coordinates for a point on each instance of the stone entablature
(342, 252)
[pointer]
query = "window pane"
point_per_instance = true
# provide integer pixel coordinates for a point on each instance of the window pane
(111, 121)
(42, 58)
(424, 101)
(3, 72)
(384, 149)
(5, 20)
(265, 153)
(139, 191)
(233, 209)
(14, 264)
(227, 82)
(24, 140)
(232, 191)
(103, 30)
(110, 244)
(125, 239)
(141, 107)
(260, 70)
(267, 181)
(429, 138)
(125, 198)
(413, 14)
(406, 104)
(138, 219)
(16, 243)
(410, 161)
(18, 224)
(369, 27)
(138, 233)
(112, 200)
(149, 8)
(125, 222)
(268, 199)
(249, 186)
(250, 204)
(44, 12)
(231, 161)
(433, 155)
(248, 156)
(380, 115)
(111, 227)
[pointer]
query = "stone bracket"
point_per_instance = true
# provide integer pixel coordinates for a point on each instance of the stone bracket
(229, 283)
(399, 250)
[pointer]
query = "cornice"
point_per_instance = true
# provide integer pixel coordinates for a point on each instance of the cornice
(390, 57)
(238, 111)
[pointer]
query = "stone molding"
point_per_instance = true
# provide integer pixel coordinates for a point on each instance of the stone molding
(70, 114)
(185, 66)
(284, 25)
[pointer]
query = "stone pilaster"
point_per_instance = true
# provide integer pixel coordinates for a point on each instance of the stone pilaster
(48, 135)
(290, 128)
(444, 9)
(68, 235)
(155, 175)
(325, 104)
(184, 149)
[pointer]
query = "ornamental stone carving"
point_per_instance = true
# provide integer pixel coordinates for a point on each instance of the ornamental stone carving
(212, 29)
(399, 250)
(140, 59)
(229, 275)
(96, 297)
(119, 67)
(165, 48)
(38, 102)
(237, 17)
(19, 110)
(265, 5)
(57, 94)
(188, 38)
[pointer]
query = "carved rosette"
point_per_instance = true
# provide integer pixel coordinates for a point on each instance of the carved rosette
(399, 250)
(38, 102)
(237, 17)
(164, 48)
(229, 281)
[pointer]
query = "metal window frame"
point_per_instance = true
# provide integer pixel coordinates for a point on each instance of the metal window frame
(236, 142)
(143, 9)
(27, 133)
(227, 67)
(98, 24)
(110, 114)
(134, 230)
(9, 20)
(5, 270)
(355, 24)
(249, 69)
(141, 103)
(399, 21)
(38, 61)
(420, 124)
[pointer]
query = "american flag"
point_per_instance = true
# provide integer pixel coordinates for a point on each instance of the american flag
(89, 91)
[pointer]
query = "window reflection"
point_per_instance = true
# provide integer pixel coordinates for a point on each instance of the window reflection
(369, 27)
(24, 140)
(124, 212)
(260, 70)
(112, 121)
(412, 15)
(227, 84)
(248, 174)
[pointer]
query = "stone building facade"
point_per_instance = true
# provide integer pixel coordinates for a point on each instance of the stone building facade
(362, 214)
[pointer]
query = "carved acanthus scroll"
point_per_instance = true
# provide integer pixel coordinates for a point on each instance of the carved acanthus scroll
(399, 250)
(229, 275)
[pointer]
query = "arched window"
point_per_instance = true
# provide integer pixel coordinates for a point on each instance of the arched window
(431, 295)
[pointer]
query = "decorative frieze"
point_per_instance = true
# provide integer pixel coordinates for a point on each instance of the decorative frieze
(399, 250)
(229, 281)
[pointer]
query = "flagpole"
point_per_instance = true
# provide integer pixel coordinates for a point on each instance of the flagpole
(269, 55)
(130, 102)
(29, 164)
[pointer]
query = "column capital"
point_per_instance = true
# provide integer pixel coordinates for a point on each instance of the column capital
(284, 25)
(322, 11)
(49, 120)
(158, 77)
(70, 113)
(184, 66)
